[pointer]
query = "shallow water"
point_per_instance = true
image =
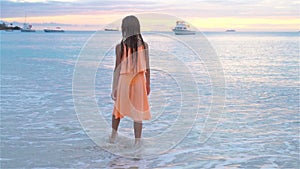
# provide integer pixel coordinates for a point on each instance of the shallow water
(259, 127)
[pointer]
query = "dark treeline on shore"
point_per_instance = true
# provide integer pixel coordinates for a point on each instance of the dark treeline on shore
(4, 26)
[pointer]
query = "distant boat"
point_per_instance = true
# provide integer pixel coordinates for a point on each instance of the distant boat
(27, 28)
(57, 29)
(109, 29)
(182, 28)
(230, 30)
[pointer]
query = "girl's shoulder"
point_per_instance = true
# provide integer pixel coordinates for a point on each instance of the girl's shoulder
(146, 45)
(118, 49)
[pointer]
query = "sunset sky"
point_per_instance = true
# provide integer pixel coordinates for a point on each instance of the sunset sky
(206, 15)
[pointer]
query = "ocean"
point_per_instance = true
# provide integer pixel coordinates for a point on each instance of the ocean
(257, 127)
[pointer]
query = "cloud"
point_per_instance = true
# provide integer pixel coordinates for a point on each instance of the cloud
(201, 8)
(11, 9)
(236, 8)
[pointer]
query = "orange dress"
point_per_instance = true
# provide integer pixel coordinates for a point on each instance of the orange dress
(131, 99)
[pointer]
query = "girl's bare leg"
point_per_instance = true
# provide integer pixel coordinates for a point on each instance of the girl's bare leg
(114, 125)
(138, 131)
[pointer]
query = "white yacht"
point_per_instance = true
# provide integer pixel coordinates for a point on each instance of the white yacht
(57, 29)
(182, 28)
(27, 28)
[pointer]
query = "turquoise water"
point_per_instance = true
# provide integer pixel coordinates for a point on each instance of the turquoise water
(259, 127)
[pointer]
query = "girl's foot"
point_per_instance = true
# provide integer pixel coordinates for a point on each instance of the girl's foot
(137, 143)
(113, 137)
(138, 149)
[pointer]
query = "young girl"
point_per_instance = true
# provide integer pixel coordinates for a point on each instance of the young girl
(131, 81)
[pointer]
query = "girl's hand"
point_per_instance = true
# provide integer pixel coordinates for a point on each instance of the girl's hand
(148, 89)
(114, 95)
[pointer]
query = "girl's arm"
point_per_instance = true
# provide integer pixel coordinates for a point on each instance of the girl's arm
(116, 72)
(147, 69)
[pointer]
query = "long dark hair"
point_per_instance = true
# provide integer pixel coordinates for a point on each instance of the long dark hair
(131, 36)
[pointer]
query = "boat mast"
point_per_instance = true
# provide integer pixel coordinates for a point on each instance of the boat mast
(25, 17)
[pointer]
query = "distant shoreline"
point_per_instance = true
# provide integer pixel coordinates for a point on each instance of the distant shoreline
(17, 29)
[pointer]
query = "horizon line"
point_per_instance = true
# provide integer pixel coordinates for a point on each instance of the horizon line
(204, 31)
